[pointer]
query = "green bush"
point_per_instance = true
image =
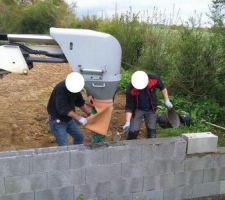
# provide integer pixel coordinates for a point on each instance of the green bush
(38, 18)
(10, 16)
(35, 16)
(195, 67)
(125, 79)
(199, 110)
(130, 33)
(158, 50)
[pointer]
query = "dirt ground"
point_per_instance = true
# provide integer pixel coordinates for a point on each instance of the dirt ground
(23, 115)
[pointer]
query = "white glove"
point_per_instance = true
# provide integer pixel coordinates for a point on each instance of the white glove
(168, 104)
(82, 121)
(126, 127)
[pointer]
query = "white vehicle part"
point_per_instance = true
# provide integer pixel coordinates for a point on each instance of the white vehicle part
(12, 60)
(95, 54)
(31, 38)
(53, 49)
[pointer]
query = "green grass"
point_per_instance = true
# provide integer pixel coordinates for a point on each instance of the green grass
(173, 132)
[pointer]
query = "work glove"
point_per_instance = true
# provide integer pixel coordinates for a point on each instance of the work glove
(126, 127)
(168, 104)
(83, 121)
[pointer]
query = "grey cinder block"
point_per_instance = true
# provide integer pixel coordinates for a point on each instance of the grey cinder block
(2, 186)
(135, 153)
(199, 162)
(103, 190)
(164, 150)
(121, 197)
(178, 193)
(65, 193)
(219, 160)
(50, 162)
(167, 181)
(178, 165)
(118, 154)
(169, 194)
(213, 174)
(14, 166)
(142, 170)
(180, 149)
(201, 142)
(137, 169)
(78, 159)
(180, 179)
(183, 192)
(222, 187)
(194, 177)
(98, 156)
(206, 189)
(148, 152)
(66, 178)
(90, 157)
(149, 195)
(101, 173)
(136, 184)
(22, 184)
(20, 196)
(149, 183)
(163, 166)
(119, 186)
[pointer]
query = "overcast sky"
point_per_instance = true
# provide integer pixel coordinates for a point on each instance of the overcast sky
(172, 10)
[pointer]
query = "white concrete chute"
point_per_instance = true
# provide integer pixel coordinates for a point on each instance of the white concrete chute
(90, 52)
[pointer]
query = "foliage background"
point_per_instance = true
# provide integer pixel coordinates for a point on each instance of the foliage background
(190, 59)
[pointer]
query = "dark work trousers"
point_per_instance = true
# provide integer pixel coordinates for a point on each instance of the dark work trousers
(150, 118)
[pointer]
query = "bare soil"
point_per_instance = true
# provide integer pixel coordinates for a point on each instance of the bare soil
(23, 115)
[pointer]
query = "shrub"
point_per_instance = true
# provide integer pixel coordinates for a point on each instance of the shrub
(195, 68)
(125, 79)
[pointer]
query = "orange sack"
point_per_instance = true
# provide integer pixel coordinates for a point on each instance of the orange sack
(99, 122)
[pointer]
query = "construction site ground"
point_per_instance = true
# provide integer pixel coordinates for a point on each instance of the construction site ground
(23, 115)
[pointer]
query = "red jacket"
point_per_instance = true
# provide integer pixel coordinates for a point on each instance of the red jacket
(143, 99)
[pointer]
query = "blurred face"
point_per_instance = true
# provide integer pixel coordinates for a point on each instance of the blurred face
(139, 80)
(74, 82)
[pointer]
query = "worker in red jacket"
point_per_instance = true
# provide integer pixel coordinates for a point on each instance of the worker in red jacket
(141, 102)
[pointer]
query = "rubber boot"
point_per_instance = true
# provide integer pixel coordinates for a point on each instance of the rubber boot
(151, 133)
(132, 135)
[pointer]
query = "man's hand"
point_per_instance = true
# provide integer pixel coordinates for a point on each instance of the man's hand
(168, 104)
(90, 100)
(82, 121)
(126, 127)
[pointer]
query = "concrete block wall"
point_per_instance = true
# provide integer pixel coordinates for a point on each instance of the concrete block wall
(156, 169)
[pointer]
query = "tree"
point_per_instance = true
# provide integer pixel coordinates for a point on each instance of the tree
(35, 16)
(217, 10)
